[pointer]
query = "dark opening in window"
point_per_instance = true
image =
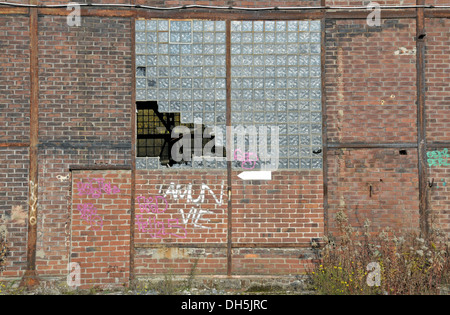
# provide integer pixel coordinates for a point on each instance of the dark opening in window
(154, 133)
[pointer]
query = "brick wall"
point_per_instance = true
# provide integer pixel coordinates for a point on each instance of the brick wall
(438, 116)
(380, 185)
(14, 167)
(381, 107)
(84, 118)
(100, 227)
(85, 96)
(14, 128)
(191, 211)
(286, 209)
(437, 77)
(15, 78)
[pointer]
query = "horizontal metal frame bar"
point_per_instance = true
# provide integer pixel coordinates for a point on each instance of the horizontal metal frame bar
(224, 245)
(100, 167)
(360, 145)
(84, 145)
(431, 145)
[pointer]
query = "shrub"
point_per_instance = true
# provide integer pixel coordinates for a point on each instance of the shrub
(406, 264)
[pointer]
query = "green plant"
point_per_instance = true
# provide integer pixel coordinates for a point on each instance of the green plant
(408, 264)
(167, 286)
(192, 274)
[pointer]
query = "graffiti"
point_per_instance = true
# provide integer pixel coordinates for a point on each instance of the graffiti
(156, 229)
(89, 214)
(195, 215)
(88, 211)
(177, 193)
(151, 205)
(89, 189)
(158, 205)
(246, 159)
(443, 184)
(33, 203)
(438, 158)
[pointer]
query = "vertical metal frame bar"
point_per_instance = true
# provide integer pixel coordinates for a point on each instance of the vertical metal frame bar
(421, 119)
(229, 153)
(324, 121)
(133, 148)
(30, 277)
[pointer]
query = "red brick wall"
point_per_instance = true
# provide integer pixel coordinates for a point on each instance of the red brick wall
(14, 167)
(85, 96)
(381, 107)
(83, 69)
(437, 74)
(84, 117)
(14, 127)
(380, 185)
(370, 89)
(281, 217)
(100, 226)
(285, 210)
(181, 221)
(14, 78)
(438, 116)
(439, 197)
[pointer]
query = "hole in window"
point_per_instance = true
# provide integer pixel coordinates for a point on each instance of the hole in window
(156, 136)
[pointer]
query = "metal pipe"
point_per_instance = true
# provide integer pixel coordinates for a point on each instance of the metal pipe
(210, 7)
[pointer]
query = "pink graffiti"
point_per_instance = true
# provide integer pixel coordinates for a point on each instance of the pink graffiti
(156, 229)
(247, 159)
(151, 204)
(96, 191)
(89, 214)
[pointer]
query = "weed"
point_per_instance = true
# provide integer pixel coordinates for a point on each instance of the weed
(192, 274)
(4, 252)
(408, 264)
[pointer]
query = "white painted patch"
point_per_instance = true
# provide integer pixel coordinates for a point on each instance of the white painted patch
(256, 175)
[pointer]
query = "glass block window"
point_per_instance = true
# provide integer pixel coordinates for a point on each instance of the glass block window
(276, 80)
(181, 65)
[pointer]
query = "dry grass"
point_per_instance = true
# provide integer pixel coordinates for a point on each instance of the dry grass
(407, 264)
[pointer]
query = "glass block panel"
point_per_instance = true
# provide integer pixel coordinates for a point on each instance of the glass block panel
(275, 79)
